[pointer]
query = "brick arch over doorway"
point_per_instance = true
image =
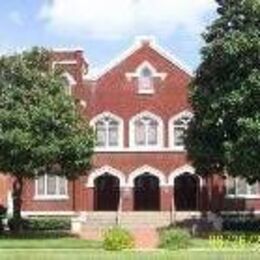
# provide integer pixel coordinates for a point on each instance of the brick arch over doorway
(187, 188)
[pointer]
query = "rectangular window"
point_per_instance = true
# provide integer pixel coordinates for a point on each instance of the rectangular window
(152, 133)
(51, 186)
(41, 185)
(139, 133)
(179, 133)
(239, 187)
(113, 134)
(145, 85)
(101, 134)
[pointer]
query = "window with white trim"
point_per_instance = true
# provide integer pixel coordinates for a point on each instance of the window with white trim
(177, 129)
(51, 186)
(68, 82)
(145, 131)
(109, 131)
(145, 75)
(145, 81)
(238, 187)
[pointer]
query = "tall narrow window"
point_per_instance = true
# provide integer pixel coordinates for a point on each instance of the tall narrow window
(178, 126)
(145, 81)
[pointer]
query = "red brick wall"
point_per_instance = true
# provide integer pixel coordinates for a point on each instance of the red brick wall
(114, 93)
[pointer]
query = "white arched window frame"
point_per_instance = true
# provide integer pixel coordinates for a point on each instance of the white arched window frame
(145, 74)
(109, 130)
(146, 132)
(240, 188)
(177, 127)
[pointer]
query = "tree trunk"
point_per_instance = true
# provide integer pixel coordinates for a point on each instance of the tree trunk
(17, 204)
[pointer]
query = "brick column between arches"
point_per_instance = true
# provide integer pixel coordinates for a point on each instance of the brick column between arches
(127, 198)
(166, 194)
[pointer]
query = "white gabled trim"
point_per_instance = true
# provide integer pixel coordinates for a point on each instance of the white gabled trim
(105, 169)
(139, 69)
(138, 44)
(172, 58)
(179, 171)
(171, 145)
(98, 117)
(160, 132)
(146, 169)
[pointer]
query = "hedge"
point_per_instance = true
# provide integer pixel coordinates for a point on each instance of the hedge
(44, 224)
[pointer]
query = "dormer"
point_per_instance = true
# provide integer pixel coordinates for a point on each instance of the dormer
(145, 76)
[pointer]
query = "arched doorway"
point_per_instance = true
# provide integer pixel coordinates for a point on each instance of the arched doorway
(186, 192)
(146, 193)
(106, 193)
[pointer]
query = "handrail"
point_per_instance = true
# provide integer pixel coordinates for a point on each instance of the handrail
(119, 210)
(173, 212)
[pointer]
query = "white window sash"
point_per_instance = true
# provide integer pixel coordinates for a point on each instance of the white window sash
(47, 196)
(247, 194)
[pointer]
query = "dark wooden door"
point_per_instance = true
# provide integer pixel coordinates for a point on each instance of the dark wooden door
(186, 192)
(147, 193)
(107, 193)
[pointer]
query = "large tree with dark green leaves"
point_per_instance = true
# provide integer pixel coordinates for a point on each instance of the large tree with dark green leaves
(41, 129)
(224, 135)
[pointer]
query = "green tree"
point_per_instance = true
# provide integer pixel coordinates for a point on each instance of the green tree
(224, 135)
(41, 129)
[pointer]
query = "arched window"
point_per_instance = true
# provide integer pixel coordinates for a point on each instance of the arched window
(109, 131)
(145, 74)
(145, 81)
(146, 131)
(178, 126)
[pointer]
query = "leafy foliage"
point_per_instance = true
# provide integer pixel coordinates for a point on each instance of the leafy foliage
(40, 126)
(225, 132)
(174, 238)
(44, 224)
(41, 129)
(118, 239)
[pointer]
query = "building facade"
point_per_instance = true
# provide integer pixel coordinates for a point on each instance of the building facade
(139, 108)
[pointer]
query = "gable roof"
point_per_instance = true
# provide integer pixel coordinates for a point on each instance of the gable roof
(139, 42)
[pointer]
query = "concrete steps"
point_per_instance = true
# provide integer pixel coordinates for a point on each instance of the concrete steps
(135, 219)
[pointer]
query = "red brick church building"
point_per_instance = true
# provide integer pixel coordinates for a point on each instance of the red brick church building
(139, 108)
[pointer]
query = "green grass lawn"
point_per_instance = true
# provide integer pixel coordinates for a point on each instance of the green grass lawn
(50, 246)
(47, 241)
(6, 254)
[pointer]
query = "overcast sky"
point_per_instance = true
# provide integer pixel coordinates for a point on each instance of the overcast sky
(105, 28)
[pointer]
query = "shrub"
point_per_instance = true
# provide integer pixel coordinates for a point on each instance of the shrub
(117, 239)
(241, 224)
(43, 224)
(2, 216)
(174, 238)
